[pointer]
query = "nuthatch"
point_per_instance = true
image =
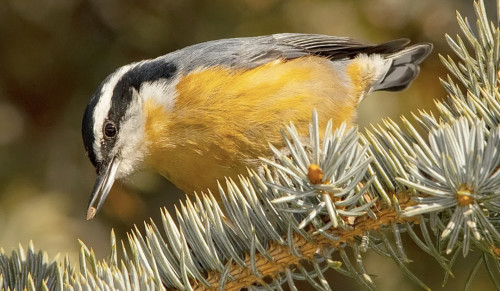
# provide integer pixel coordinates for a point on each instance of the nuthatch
(208, 111)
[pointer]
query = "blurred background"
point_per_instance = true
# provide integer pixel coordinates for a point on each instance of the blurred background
(54, 54)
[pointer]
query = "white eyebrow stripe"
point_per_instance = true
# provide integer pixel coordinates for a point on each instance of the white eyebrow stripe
(102, 107)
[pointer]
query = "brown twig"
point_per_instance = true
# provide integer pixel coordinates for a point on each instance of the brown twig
(283, 257)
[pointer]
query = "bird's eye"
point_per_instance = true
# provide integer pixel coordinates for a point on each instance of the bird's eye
(110, 129)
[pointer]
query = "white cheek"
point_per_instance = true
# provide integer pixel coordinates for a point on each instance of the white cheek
(126, 168)
(132, 158)
(130, 146)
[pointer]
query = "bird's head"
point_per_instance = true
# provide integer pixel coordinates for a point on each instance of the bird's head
(113, 122)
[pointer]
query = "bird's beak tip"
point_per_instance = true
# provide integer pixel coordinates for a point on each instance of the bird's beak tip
(91, 212)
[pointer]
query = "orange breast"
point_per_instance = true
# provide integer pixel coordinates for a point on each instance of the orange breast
(223, 119)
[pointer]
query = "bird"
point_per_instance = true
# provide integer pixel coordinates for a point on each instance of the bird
(210, 110)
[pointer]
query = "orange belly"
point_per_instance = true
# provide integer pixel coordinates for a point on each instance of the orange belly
(223, 120)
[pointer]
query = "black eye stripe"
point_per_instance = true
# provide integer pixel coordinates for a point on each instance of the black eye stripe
(149, 71)
(109, 129)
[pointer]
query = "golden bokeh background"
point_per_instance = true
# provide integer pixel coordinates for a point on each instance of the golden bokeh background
(54, 54)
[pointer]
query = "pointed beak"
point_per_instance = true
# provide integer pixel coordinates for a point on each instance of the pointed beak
(106, 174)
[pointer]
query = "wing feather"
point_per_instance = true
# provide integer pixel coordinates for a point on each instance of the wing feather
(335, 47)
(251, 52)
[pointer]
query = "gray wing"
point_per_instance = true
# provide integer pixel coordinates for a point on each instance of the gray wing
(251, 52)
(335, 47)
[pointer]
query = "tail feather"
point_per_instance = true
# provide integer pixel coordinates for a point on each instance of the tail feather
(403, 68)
